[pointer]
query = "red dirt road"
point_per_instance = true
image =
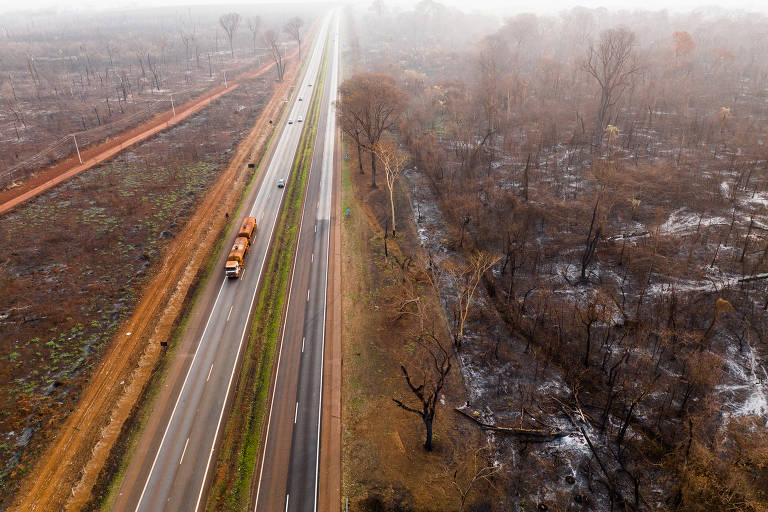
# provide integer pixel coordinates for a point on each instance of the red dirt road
(98, 153)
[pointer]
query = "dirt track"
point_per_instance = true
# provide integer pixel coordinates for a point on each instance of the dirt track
(65, 474)
(98, 153)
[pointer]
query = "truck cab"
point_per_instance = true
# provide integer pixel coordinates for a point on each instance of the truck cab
(236, 258)
(233, 269)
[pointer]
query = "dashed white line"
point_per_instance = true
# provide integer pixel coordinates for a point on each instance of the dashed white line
(307, 295)
(209, 373)
(296, 414)
(302, 343)
(287, 497)
(183, 452)
(315, 228)
(230, 312)
(313, 257)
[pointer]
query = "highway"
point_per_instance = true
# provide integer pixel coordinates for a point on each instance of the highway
(289, 464)
(171, 468)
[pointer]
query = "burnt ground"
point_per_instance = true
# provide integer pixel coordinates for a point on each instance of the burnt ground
(74, 258)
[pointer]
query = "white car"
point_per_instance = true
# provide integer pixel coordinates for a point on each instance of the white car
(299, 98)
(290, 121)
(299, 119)
(280, 183)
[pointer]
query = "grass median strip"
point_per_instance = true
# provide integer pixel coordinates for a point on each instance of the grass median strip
(240, 446)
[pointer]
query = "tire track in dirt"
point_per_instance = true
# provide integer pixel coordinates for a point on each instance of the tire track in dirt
(65, 474)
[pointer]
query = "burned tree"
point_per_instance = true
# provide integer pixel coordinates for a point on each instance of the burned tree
(426, 382)
(393, 161)
(293, 28)
(466, 278)
(272, 43)
(230, 22)
(254, 22)
(612, 63)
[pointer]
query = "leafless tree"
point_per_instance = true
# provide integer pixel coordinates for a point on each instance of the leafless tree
(426, 382)
(273, 45)
(253, 22)
(293, 28)
(230, 22)
(466, 278)
(612, 63)
(468, 471)
(393, 161)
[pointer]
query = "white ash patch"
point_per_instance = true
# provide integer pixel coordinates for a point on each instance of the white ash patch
(680, 222)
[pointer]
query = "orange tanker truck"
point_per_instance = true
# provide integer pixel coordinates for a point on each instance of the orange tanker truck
(236, 258)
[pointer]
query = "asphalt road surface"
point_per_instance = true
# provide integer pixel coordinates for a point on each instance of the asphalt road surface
(172, 474)
(289, 469)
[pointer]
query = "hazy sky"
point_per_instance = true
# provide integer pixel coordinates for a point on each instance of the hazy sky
(505, 6)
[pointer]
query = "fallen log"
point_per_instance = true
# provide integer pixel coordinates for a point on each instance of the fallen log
(753, 278)
(531, 435)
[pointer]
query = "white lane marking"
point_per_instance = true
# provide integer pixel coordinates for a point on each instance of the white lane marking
(315, 228)
(303, 339)
(313, 257)
(209, 373)
(277, 373)
(178, 399)
(307, 295)
(230, 312)
(184, 451)
(287, 497)
(296, 413)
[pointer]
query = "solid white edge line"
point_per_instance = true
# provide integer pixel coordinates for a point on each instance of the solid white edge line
(279, 354)
(296, 413)
(178, 398)
(229, 386)
(287, 497)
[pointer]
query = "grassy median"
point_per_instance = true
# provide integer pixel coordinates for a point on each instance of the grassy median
(241, 440)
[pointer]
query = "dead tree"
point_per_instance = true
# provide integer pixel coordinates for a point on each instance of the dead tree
(466, 278)
(273, 45)
(293, 28)
(612, 63)
(393, 161)
(229, 22)
(593, 237)
(254, 22)
(436, 363)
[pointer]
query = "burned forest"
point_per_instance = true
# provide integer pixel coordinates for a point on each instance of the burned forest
(584, 202)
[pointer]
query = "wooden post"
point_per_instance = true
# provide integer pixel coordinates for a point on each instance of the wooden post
(77, 149)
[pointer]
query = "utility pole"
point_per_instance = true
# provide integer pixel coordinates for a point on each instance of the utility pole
(77, 149)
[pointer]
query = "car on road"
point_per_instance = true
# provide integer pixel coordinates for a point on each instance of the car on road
(300, 98)
(309, 85)
(280, 183)
(290, 121)
(299, 119)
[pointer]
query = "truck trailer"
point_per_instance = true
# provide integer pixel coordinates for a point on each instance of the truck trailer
(236, 258)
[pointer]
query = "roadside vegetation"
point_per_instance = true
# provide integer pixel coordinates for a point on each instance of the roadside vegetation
(596, 236)
(238, 458)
